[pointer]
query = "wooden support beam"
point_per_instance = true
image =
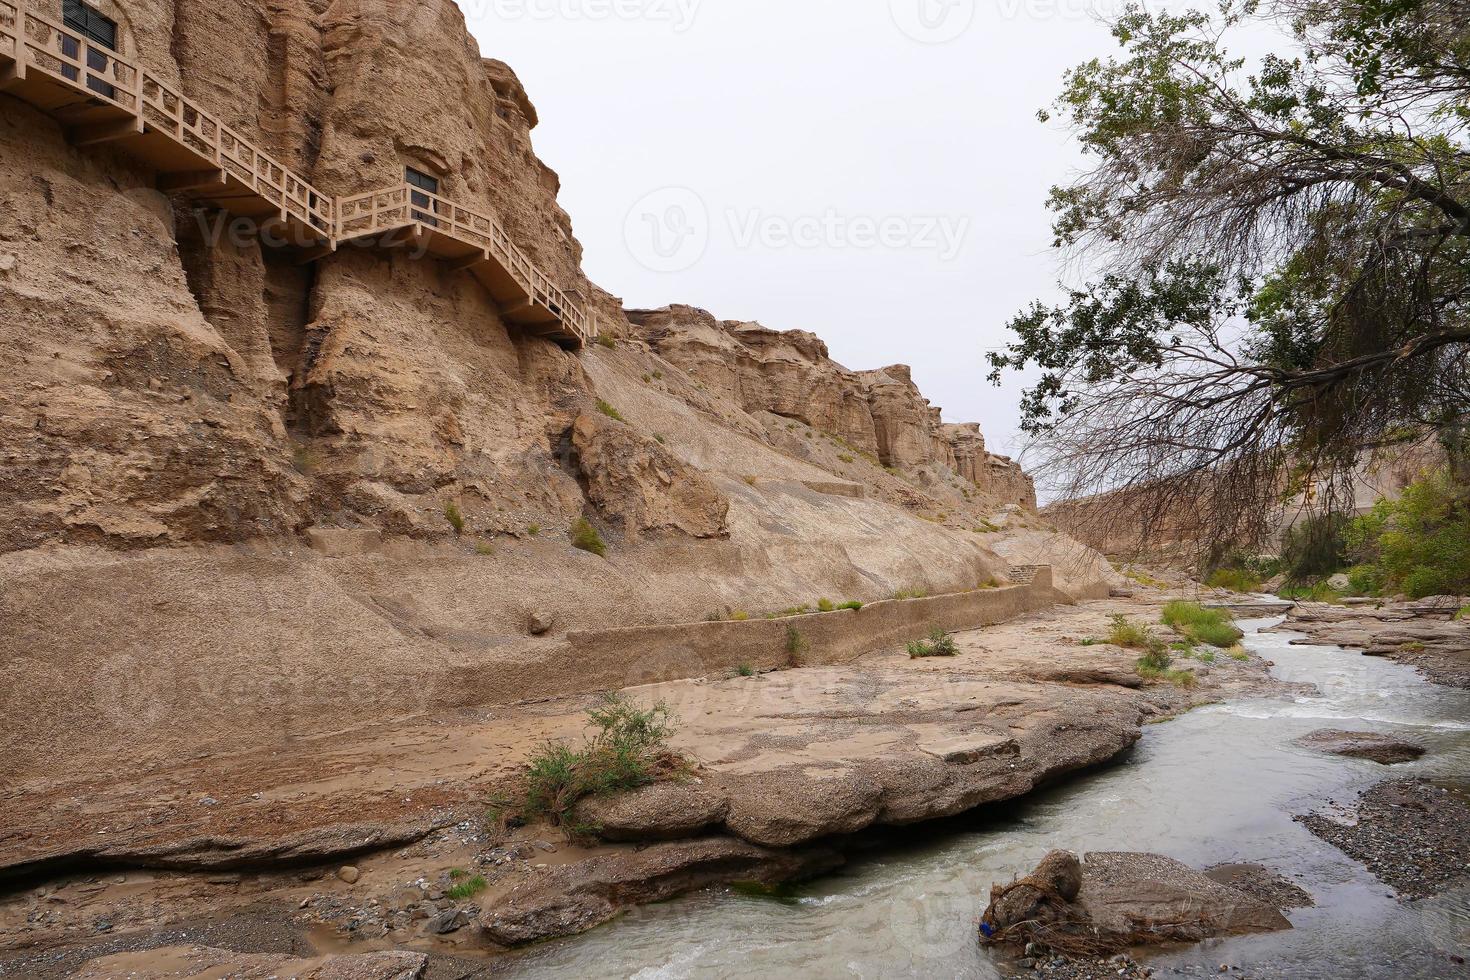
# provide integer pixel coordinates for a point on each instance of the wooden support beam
(192, 180)
(468, 262)
(12, 74)
(105, 132)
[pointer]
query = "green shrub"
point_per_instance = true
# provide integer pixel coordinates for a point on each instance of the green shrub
(454, 516)
(1211, 626)
(1234, 579)
(847, 457)
(609, 411)
(939, 644)
(905, 594)
(745, 670)
(825, 605)
(796, 646)
(1314, 548)
(1130, 635)
(852, 604)
(1365, 580)
(1420, 543)
(986, 527)
(468, 888)
(1463, 615)
(739, 616)
(606, 340)
(1317, 592)
(533, 529)
(1155, 662)
(628, 749)
(585, 537)
(484, 548)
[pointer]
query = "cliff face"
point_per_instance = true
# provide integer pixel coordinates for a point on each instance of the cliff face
(285, 461)
(791, 374)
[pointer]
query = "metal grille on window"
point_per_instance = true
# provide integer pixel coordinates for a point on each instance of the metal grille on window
(98, 29)
(424, 206)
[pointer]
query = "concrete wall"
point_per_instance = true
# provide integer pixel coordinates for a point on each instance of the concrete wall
(614, 658)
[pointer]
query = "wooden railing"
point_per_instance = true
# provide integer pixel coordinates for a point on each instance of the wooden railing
(377, 212)
(98, 71)
(36, 43)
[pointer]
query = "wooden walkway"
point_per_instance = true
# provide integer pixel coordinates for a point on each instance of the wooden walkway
(99, 96)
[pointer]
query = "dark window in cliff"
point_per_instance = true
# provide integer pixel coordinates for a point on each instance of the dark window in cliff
(423, 182)
(96, 28)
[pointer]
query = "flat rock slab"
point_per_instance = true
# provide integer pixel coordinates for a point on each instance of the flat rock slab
(1412, 834)
(207, 963)
(1383, 749)
(571, 898)
(1148, 894)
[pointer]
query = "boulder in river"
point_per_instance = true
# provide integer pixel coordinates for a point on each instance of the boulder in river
(1116, 900)
(1384, 749)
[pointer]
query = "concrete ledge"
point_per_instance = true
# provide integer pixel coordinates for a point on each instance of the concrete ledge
(649, 654)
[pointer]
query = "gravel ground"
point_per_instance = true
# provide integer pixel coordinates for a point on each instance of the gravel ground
(1413, 834)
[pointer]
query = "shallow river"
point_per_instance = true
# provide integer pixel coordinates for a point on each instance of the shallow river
(1217, 785)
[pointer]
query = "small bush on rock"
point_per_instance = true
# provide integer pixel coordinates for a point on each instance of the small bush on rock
(585, 537)
(454, 516)
(628, 749)
(609, 411)
(939, 644)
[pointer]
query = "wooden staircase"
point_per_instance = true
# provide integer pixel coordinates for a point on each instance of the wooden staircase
(99, 96)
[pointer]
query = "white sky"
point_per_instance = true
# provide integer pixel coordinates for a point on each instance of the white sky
(775, 111)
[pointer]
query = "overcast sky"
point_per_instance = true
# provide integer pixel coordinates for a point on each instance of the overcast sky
(870, 170)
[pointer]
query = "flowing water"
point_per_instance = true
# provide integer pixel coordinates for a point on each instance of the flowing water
(1217, 785)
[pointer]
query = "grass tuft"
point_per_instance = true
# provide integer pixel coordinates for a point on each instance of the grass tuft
(745, 670)
(825, 605)
(1234, 579)
(608, 341)
(939, 644)
(609, 411)
(1210, 626)
(467, 888)
(454, 516)
(586, 538)
(853, 604)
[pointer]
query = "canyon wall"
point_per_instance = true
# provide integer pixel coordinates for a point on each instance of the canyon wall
(234, 473)
(790, 374)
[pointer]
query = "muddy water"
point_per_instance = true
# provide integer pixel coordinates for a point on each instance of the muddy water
(1218, 785)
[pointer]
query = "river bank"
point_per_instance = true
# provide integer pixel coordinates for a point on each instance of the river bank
(791, 765)
(784, 758)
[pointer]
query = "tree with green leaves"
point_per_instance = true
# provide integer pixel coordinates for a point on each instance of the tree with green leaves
(1280, 260)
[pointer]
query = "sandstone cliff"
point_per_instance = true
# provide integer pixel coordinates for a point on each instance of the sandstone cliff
(283, 463)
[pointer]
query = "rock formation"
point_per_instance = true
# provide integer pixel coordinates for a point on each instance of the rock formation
(791, 374)
(252, 490)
